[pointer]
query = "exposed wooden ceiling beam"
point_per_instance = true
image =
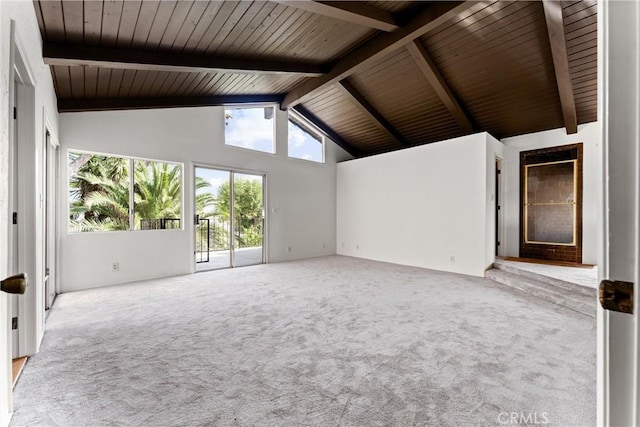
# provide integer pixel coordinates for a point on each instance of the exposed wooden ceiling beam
(328, 131)
(355, 12)
(81, 55)
(107, 104)
(557, 39)
(365, 106)
(439, 85)
(431, 17)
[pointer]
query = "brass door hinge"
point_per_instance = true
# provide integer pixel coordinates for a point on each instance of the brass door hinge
(616, 296)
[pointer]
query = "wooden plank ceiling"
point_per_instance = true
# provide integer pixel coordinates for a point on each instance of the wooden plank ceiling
(376, 75)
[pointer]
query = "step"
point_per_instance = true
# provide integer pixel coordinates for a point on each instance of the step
(556, 295)
(570, 286)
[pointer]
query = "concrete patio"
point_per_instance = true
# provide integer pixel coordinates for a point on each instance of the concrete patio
(222, 259)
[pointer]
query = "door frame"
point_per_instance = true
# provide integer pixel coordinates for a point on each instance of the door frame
(619, 111)
(232, 171)
(51, 214)
(499, 206)
(13, 246)
(571, 252)
(30, 319)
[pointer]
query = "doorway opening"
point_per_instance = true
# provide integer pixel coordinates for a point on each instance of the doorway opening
(551, 204)
(229, 218)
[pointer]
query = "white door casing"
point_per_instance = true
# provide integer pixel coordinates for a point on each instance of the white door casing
(618, 333)
(50, 217)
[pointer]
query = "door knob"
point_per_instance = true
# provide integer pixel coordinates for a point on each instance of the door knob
(15, 284)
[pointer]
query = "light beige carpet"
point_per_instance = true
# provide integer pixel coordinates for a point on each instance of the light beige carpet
(327, 341)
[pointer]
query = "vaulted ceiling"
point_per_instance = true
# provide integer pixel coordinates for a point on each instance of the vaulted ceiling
(376, 75)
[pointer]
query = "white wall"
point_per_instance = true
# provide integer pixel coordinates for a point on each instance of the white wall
(589, 135)
(300, 194)
(28, 35)
(421, 206)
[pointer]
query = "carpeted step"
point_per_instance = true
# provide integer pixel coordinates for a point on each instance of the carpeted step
(558, 283)
(556, 295)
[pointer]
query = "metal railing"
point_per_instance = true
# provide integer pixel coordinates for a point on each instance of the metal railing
(159, 223)
(212, 234)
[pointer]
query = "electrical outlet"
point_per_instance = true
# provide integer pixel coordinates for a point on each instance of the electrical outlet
(324, 245)
(115, 267)
(289, 248)
(453, 258)
(357, 246)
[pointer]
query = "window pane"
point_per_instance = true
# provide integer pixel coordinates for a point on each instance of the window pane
(550, 183)
(248, 219)
(98, 193)
(250, 128)
(157, 195)
(550, 224)
(304, 143)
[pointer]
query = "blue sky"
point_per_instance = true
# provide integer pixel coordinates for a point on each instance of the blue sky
(248, 128)
(302, 145)
(217, 177)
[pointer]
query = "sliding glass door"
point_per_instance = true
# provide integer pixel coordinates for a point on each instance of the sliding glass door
(229, 220)
(212, 220)
(248, 215)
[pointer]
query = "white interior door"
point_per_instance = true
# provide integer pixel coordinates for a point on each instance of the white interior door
(620, 115)
(13, 228)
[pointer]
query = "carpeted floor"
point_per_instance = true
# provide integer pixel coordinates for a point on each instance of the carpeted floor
(583, 275)
(327, 341)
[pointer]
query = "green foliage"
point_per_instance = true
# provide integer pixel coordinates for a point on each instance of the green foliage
(249, 237)
(247, 208)
(203, 200)
(100, 192)
(156, 190)
(100, 188)
(248, 201)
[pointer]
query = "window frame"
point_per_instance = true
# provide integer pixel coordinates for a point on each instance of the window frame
(303, 123)
(574, 204)
(248, 106)
(130, 164)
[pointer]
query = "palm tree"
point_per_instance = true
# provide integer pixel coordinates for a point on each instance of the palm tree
(100, 194)
(156, 191)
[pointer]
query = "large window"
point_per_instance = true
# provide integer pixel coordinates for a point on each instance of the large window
(156, 195)
(251, 128)
(304, 141)
(105, 196)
